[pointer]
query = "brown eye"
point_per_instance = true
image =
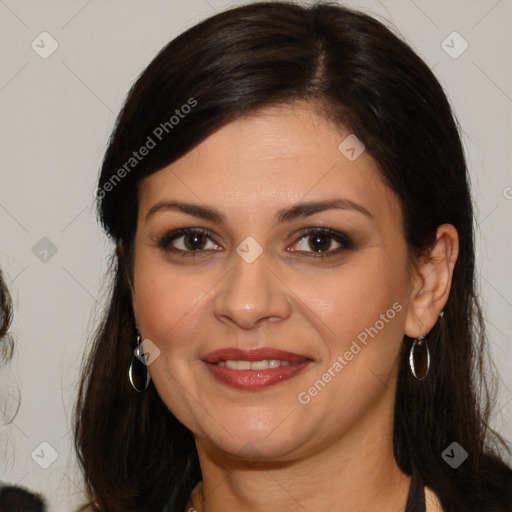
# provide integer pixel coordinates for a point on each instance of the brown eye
(320, 242)
(188, 242)
(194, 241)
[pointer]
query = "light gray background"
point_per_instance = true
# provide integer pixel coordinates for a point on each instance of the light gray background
(57, 114)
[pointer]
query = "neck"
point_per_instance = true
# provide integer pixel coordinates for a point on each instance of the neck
(355, 472)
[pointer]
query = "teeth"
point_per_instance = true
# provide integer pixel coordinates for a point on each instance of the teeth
(260, 365)
(265, 364)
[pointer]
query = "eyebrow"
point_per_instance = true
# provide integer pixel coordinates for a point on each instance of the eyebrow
(294, 212)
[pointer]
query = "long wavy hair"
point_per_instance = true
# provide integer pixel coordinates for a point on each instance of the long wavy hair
(6, 342)
(356, 72)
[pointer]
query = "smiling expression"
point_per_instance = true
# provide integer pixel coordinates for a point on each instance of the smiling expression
(293, 247)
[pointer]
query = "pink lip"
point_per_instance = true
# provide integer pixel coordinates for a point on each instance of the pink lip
(253, 380)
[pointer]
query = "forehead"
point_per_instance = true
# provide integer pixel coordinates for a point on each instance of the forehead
(273, 158)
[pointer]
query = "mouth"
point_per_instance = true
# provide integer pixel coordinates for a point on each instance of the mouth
(255, 369)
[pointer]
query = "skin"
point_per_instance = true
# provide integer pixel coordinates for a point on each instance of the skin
(264, 450)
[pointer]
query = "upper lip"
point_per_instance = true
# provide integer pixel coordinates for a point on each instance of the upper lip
(258, 354)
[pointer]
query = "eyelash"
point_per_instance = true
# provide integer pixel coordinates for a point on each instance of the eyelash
(164, 243)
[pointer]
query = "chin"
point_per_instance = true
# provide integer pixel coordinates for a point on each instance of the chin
(253, 443)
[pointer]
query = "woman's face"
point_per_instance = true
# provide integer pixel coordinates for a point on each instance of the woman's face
(261, 276)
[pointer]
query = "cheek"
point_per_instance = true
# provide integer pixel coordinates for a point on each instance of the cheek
(359, 312)
(168, 301)
(171, 310)
(350, 300)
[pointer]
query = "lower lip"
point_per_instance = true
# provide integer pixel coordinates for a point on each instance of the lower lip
(253, 380)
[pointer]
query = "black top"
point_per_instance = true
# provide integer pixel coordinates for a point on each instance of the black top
(19, 499)
(495, 493)
(494, 498)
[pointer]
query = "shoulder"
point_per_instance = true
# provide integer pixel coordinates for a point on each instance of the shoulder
(432, 503)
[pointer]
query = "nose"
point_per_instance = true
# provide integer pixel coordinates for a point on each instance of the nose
(251, 293)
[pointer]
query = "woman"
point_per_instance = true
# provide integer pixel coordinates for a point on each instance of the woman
(13, 498)
(293, 321)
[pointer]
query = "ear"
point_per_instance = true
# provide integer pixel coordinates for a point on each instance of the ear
(431, 283)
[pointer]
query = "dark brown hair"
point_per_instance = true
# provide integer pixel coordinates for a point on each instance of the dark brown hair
(356, 72)
(6, 343)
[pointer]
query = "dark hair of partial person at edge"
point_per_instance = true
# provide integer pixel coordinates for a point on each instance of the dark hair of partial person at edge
(6, 342)
(12, 498)
(358, 74)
